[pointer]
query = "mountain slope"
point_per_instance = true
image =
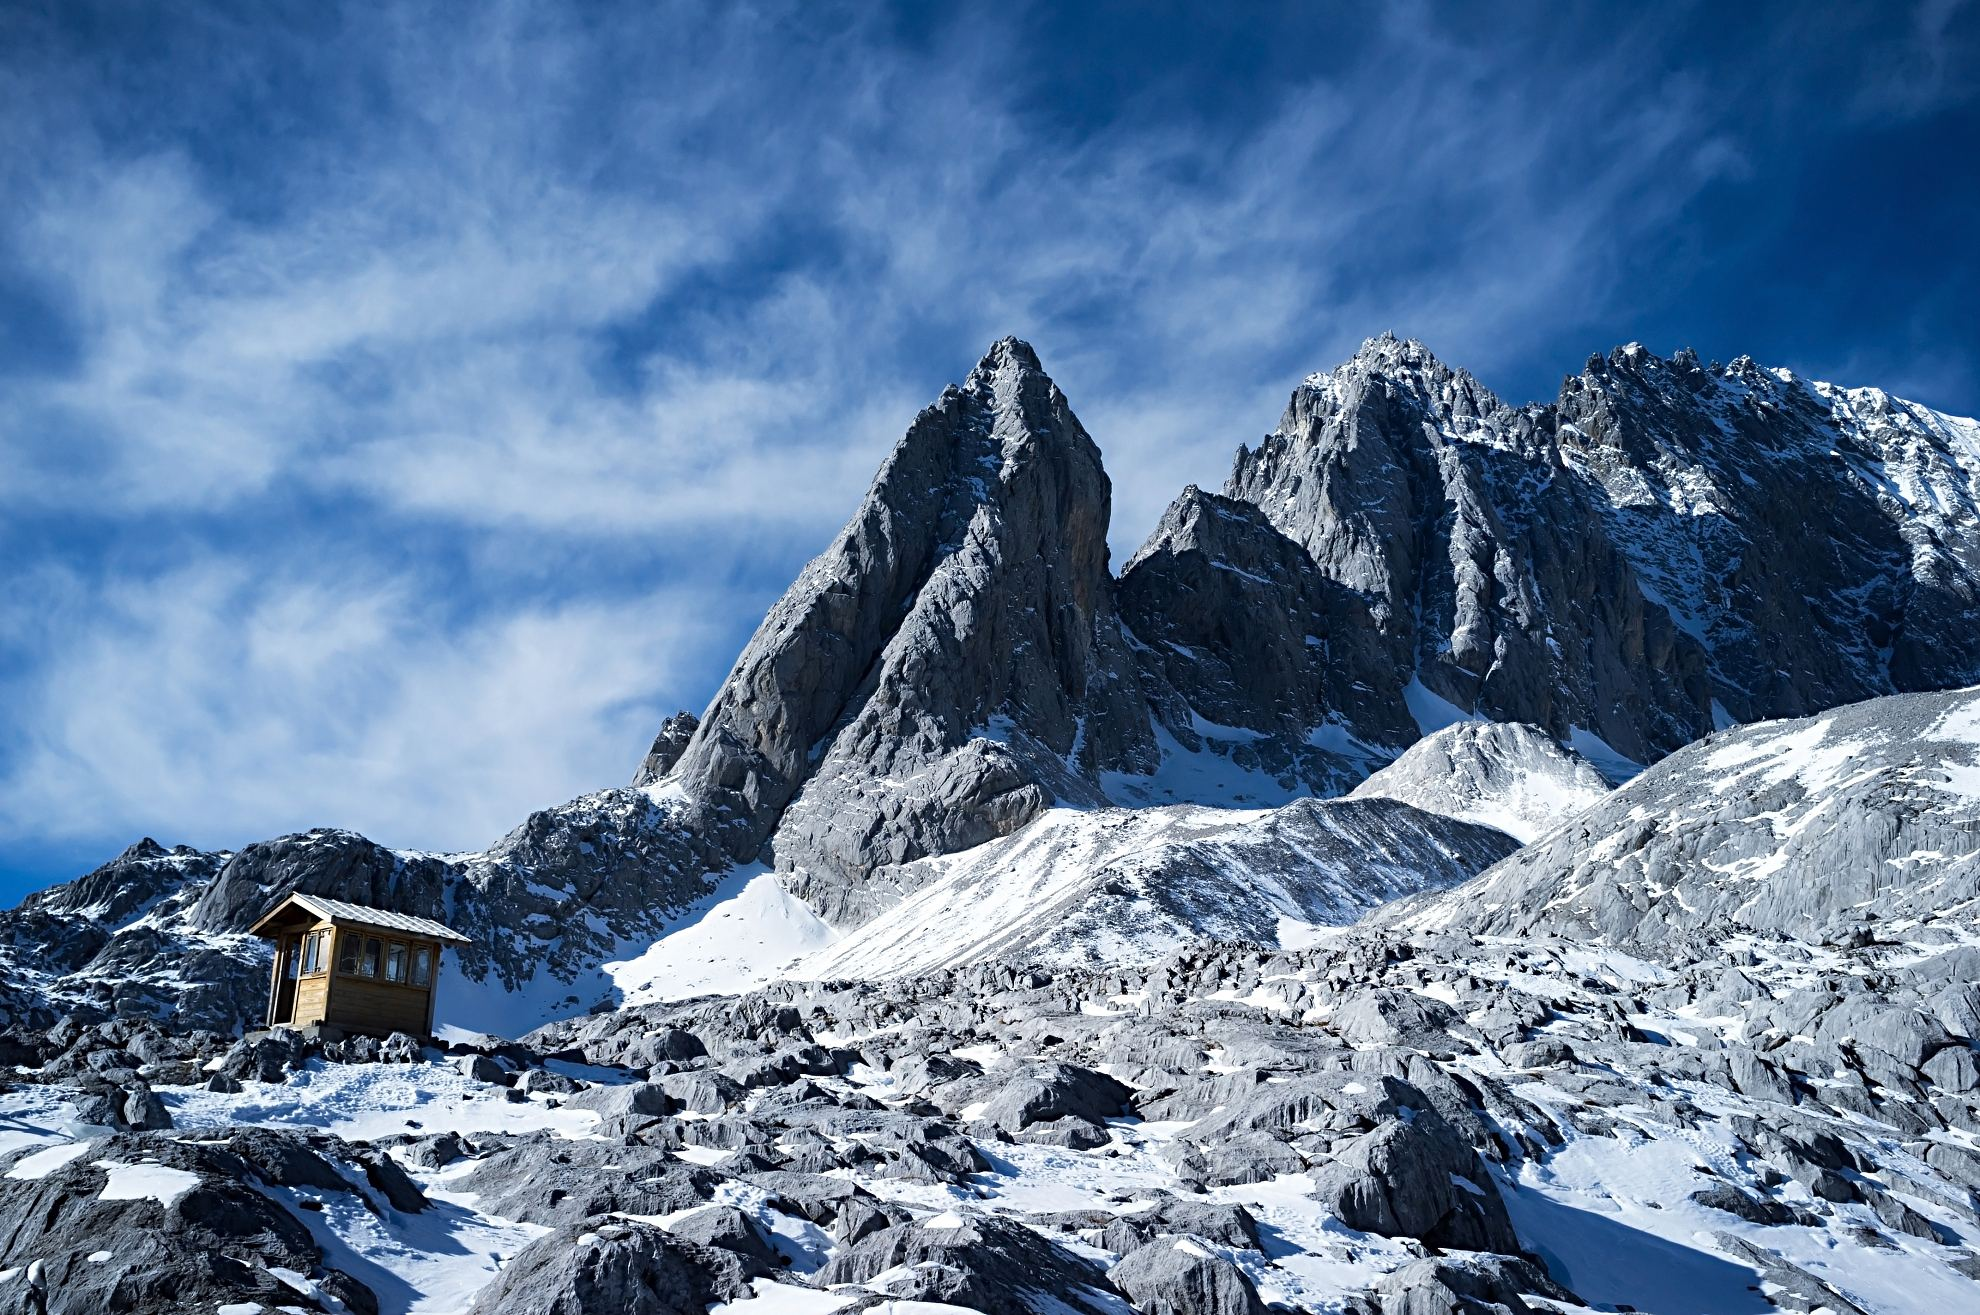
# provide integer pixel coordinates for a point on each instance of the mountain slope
(1620, 568)
(947, 669)
(1119, 886)
(1865, 819)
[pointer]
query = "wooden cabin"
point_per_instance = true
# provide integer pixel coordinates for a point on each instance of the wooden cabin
(351, 968)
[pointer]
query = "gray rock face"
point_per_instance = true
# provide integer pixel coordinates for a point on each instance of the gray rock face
(85, 945)
(336, 864)
(564, 1182)
(1174, 1276)
(668, 745)
(1233, 625)
(982, 1262)
(1868, 814)
(1051, 1092)
(1626, 556)
(1417, 1178)
(614, 1265)
(950, 666)
(1469, 1285)
(199, 1236)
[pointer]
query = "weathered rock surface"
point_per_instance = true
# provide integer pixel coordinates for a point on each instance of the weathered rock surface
(149, 1224)
(1638, 552)
(947, 669)
(978, 1261)
(1248, 650)
(615, 1265)
(1836, 824)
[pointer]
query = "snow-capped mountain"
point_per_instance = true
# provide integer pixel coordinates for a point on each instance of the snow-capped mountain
(1112, 886)
(1404, 553)
(1504, 775)
(1031, 896)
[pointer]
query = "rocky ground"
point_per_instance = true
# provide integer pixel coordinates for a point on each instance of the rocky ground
(1388, 1122)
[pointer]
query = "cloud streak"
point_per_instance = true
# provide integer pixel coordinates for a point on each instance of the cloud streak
(375, 360)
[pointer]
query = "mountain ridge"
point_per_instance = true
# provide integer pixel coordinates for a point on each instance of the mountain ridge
(961, 660)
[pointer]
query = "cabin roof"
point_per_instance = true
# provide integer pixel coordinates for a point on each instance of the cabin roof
(359, 915)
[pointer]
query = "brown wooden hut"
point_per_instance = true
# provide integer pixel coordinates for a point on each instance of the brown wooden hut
(351, 968)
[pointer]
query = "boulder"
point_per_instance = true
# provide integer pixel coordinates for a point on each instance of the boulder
(1178, 1276)
(186, 1230)
(614, 1265)
(1417, 1178)
(1387, 1017)
(643, 1099)
(983, 1262)
(1046, 1092)
(701, 1093)
(1469, 1285)
(730, 1229)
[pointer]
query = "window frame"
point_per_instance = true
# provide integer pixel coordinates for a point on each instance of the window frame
(315, 952)
(353, 949)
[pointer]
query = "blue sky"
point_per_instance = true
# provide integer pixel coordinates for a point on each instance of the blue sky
(403, 407)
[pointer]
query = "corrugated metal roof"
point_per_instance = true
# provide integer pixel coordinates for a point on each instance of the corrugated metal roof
(338, 910)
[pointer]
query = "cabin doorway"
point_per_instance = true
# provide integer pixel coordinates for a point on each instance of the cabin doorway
(288, 968)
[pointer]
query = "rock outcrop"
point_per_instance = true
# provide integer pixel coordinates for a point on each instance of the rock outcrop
(947, 669)
(1632, 559)
(1247, 649)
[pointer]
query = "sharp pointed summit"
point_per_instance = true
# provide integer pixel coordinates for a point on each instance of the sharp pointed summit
(947, 668)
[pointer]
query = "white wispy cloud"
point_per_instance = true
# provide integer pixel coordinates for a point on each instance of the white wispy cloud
(217, 703)
(563, 294)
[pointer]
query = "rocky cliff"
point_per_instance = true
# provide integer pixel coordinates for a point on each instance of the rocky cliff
(1631, 561)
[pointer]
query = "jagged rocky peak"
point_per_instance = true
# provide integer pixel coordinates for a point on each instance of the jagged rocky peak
(1628, 562)
(1397, 365)
(668, 745)
(947, 668)
(1235, 628)
(1492, 584)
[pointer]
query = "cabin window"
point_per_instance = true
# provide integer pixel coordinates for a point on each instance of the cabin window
(312, 955)
(422, 966)
(395, 961)
(369, 961)
(348, 949)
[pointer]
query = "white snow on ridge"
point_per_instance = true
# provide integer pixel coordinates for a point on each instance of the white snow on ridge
(1507, 776)
(1126, 886)
(735, 941)
(134, 1182)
